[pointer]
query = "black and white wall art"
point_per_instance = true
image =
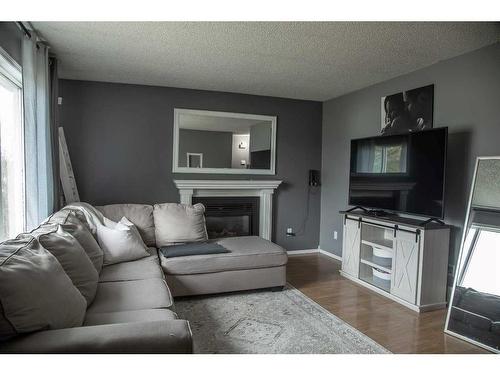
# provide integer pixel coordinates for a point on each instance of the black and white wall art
(410, 110)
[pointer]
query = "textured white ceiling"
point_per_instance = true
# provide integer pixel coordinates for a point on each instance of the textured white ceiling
(303, 60)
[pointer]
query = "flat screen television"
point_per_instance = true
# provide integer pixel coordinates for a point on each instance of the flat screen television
(400, 173)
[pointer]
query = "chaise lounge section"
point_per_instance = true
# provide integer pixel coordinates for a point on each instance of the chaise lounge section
(252, 263)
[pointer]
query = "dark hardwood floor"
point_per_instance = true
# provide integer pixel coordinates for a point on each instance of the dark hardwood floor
(395, 327)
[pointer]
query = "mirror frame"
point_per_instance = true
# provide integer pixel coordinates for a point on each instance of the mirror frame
(175, 146)
(461, 254)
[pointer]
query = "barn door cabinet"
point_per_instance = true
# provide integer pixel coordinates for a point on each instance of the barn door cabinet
(400, 258)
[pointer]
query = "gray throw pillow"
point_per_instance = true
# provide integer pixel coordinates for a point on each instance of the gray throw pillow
(35, 292)
(71, 256)
(74, 226)
(190, 249)
(179, 223)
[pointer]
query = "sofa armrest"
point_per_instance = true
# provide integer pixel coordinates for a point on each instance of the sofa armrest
(166, 336)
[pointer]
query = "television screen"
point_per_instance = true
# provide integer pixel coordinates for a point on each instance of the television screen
(400, 173)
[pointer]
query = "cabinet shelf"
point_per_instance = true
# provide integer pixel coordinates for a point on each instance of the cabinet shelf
(381, 244)
(371, 263)
(385, 286)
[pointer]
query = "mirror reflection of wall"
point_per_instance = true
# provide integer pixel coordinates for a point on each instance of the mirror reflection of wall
(474, 313)
(215, 147)
(260, 145)
(229, 142)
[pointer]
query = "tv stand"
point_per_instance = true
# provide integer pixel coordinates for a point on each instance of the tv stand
(425, 222)
(397, 257)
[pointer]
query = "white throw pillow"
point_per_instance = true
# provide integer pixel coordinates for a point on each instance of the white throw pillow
(121, 242)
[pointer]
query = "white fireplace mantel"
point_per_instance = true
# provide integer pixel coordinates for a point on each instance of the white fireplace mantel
(263, 189)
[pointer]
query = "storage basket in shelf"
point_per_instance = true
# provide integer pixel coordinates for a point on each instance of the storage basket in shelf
(381, 278)
(382, 257)
(382, 275)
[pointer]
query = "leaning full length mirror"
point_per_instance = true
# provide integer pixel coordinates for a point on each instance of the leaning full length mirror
(474, 313)
(223, 142)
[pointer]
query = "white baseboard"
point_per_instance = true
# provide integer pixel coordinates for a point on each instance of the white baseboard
(331, 255)
(302, 252)
(314, 251)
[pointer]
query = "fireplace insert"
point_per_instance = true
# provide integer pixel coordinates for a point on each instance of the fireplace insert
(230, 216)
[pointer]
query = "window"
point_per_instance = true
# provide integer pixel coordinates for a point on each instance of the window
(12, 207)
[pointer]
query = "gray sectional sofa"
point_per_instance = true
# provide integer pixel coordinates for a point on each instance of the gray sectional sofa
(132, 310)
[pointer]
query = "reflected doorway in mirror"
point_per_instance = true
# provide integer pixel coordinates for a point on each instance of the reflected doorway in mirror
(194, 160)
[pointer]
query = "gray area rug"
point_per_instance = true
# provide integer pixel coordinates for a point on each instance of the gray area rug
(285, 322)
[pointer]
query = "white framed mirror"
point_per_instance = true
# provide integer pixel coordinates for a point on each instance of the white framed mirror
(223, 142)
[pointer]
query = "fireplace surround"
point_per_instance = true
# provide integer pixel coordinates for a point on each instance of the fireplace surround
(262, 189)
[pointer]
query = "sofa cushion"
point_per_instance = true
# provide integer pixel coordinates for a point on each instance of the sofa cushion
(145, 268)
(35, 292)
(246, 253)
(139, 214)
(179, 223)
(74, 226)
(72, 257)
(149, 315)
(120, 242)
(131, 295)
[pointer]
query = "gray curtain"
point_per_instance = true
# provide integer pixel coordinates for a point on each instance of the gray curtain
(39, 172)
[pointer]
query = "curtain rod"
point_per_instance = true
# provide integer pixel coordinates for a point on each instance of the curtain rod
(24, 29)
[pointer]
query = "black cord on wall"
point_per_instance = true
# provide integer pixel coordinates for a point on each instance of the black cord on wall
(310, 192)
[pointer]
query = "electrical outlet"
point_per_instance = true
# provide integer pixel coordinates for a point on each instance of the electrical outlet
(289, 230)
(335, 235)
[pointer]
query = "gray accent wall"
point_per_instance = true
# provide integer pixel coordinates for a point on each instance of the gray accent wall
(120, 141)
(466, 99)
